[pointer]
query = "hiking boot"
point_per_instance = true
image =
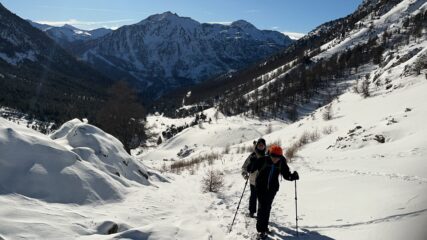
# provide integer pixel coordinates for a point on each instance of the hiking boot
(262, 235)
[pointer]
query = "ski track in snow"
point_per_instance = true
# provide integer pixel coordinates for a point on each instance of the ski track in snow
(401, 177)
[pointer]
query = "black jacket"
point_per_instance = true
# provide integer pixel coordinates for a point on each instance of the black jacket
(268, 175)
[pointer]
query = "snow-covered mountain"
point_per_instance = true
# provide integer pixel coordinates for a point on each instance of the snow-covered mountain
(166, 51)
(69, 34)
(39, 77)
(358, 141)
(357, 46)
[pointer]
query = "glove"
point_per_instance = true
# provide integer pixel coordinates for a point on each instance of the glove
(245, 176)
(295, 176)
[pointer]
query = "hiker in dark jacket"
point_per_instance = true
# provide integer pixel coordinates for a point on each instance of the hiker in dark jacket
(259, 151)
(267, 183)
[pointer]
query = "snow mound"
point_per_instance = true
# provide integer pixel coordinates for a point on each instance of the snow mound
(36, 167)
(101, 149)
(79, 164)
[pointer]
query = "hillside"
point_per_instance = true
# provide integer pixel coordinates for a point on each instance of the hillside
(316, 64)
(39, 78)
(353, 185)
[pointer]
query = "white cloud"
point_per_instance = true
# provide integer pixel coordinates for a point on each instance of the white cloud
(223, 23)
(294, 35)
(85, 24)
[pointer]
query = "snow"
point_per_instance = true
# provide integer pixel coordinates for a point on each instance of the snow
(366, 190)
(80, 166)
(352, 186)
(19, 57)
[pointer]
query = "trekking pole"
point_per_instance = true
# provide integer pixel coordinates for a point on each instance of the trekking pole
(238, 205)
(296, 208)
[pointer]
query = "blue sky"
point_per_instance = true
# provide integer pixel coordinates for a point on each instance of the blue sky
(281, 15)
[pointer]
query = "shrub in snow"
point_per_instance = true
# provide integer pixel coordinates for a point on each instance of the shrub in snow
(291, 151)
(227, 149)
(365, 88)
(213, 181)
(327, 113)
(328, 130)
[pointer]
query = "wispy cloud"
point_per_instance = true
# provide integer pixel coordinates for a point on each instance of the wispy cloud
(86, 24)
(294, 35)
(223, 23)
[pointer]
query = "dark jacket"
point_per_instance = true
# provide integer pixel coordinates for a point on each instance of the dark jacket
(252, 174)
(268, 173)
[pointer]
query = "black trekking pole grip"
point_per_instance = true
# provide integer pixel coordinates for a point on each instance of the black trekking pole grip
(238, 205)
(296, 208)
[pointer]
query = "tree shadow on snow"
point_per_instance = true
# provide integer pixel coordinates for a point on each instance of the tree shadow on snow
(283, 232)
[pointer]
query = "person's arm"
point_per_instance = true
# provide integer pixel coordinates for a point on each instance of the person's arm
(255, 164)
(245, 173)
(286, 172)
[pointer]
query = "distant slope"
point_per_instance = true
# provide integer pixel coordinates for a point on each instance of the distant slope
(166, 51)
(315, 63)
(68, 35)
(38, 77)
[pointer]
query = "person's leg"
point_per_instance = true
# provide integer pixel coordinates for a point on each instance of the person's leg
(252, 200)
(263, 211)
(268, 202)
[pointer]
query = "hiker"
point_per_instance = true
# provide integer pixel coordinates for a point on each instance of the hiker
(259, 151)
(267, 183)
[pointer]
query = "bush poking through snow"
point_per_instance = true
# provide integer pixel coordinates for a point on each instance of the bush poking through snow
(269, 129)
(365, 88)
(328, 113)
(291, 151)
(227, 149)
(328, 130)
(304, 139)
(180, 165)
(213, 181)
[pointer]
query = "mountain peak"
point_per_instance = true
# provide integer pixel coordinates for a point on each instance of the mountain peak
(163, 16)
(242, 24)
(70, 27)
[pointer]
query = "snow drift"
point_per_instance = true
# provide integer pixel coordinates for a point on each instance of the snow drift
(82, 165)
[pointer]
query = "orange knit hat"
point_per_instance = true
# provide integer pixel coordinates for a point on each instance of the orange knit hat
(275, 150)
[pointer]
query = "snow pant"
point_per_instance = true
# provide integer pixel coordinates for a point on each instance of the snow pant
(265, 199)
(252, 200)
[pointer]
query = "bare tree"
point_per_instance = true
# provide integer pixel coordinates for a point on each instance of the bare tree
(213, 181)
(328, 113)
(365, 88)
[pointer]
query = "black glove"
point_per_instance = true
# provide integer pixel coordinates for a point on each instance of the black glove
(295, 176)
(245, 175)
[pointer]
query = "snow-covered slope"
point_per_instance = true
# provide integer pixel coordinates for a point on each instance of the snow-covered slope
(352, 186)
(81, 165)
(68, 34)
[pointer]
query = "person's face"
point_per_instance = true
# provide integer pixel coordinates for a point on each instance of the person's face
(275, 159)
(260, 146)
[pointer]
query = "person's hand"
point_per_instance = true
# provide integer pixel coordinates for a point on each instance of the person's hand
(295, 176)
(245, 176)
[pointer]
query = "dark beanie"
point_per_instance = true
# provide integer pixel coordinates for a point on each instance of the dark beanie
(261, 140)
